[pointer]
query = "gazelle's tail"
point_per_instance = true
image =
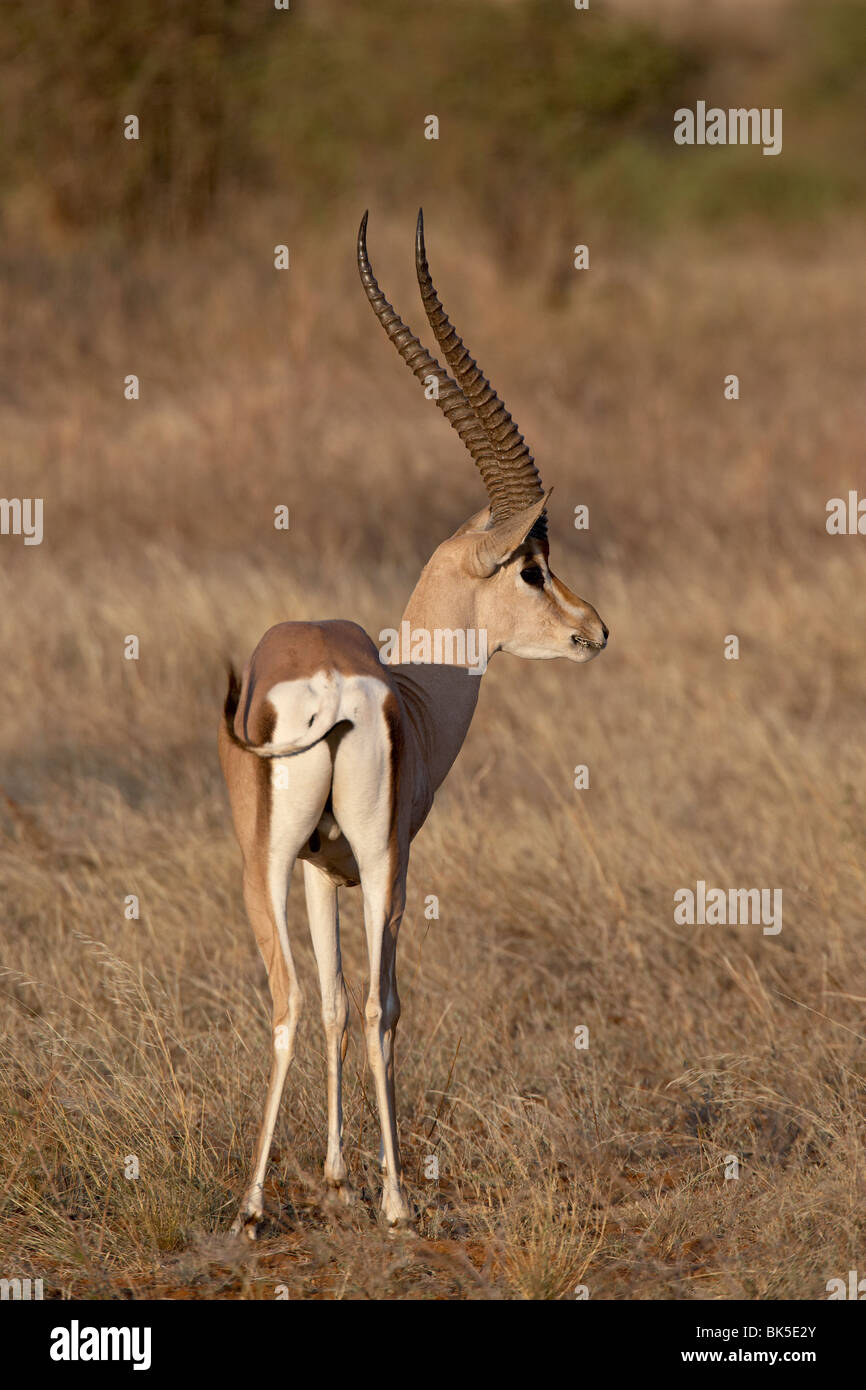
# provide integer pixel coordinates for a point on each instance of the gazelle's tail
(287, 718)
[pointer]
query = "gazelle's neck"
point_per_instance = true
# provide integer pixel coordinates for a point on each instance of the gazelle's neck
(440, 692)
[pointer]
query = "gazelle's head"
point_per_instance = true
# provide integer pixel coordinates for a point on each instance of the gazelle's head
(493, 573)
(516, 598)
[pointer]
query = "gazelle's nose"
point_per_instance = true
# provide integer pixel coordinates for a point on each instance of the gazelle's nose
(606, 633)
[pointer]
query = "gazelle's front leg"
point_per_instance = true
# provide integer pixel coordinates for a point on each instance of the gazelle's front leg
(323, 914)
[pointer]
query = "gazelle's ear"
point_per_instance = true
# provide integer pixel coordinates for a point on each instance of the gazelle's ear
(479, 522)
(493, 547)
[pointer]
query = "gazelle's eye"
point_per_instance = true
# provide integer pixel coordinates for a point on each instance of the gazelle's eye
(533, 575)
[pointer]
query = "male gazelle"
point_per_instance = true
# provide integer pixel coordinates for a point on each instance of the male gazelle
(332, 755)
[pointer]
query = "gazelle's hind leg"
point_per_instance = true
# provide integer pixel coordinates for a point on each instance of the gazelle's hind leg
(364, 794)
(286, 1004)
(384, 900)
(290, 798)
(324, 918)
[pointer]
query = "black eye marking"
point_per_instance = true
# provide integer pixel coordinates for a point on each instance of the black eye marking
(534, 575)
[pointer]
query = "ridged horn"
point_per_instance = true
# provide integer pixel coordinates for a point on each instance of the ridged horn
(520, 483)
(451, 400)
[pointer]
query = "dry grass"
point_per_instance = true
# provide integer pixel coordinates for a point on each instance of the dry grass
(149, 1038)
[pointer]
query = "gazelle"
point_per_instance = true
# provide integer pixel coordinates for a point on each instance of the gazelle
(332, 755)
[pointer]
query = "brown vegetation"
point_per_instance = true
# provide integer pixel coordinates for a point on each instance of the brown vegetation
(558, 1167)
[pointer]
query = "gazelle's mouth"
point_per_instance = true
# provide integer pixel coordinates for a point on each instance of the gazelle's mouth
(584, 642)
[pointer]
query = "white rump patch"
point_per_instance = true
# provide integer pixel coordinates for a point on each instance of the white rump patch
(306, 710)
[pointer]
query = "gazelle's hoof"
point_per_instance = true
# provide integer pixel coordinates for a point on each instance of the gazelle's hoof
(342, 1191)
(245, 1224)
(404, 1226)
(397, 1213)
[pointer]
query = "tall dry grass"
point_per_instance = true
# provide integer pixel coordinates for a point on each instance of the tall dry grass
(149, 1038)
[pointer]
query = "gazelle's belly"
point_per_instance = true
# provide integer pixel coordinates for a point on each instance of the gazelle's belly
(329, 850)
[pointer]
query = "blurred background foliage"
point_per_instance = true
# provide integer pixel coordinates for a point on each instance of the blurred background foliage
(326, 102)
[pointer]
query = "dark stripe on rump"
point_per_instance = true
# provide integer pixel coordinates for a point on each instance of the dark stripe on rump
(265, 792)
(267, 724)
(396, 742)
